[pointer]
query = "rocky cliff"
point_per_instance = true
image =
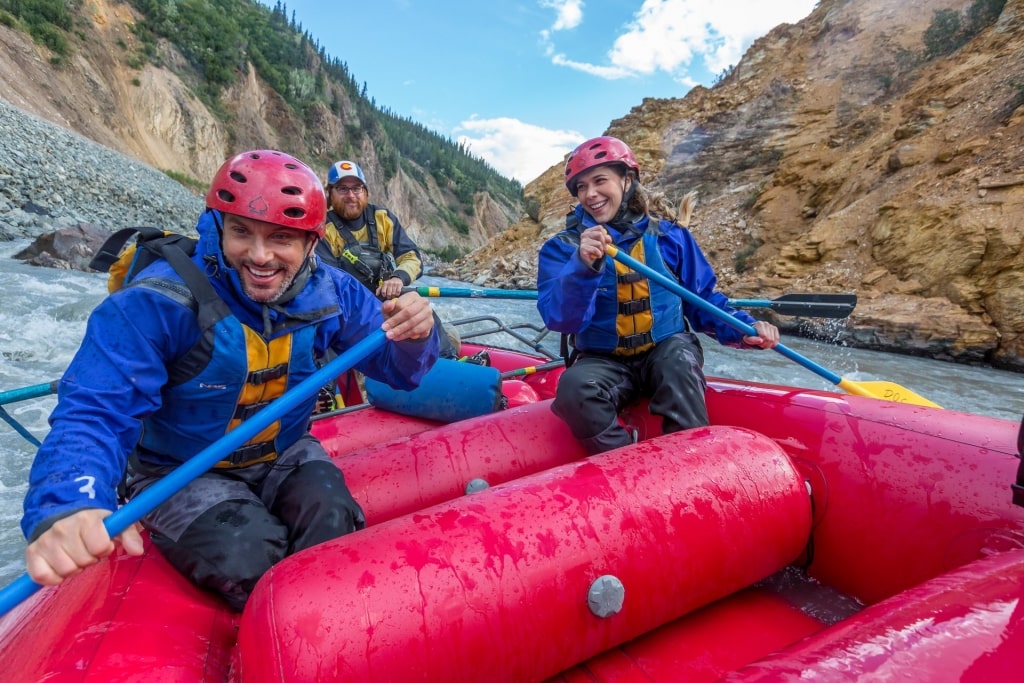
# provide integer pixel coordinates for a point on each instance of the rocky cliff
(151, 114)
(839, 156)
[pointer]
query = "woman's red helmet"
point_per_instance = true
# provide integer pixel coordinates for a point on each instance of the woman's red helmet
(270, 186)
(596, 152)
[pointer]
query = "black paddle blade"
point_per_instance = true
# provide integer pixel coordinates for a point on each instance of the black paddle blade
(815, 305)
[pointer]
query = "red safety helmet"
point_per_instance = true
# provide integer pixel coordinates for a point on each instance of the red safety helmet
(270, 186)
(596, 152)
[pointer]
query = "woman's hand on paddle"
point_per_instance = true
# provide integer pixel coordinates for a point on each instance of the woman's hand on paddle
(74, 543)
(407, 317)
(592, 243)
(767, 336)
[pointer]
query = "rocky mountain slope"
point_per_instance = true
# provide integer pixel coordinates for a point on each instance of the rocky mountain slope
(152, 115)
(836, 157)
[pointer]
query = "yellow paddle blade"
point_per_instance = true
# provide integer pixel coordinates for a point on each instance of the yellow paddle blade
(887, 391)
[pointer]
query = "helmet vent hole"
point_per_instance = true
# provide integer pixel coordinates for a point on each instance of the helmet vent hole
(239, 177)
(296, 213)
(291, 190)
(225, 196)
(601, 155)
(290, 166)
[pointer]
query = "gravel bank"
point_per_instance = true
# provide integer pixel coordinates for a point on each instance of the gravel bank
(51, 178)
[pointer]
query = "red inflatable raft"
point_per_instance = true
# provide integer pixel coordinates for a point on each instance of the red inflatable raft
(804, 535)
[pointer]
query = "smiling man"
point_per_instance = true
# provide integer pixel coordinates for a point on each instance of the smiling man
(266, 256)
(364, 239)
(188, 352)
(368, 241)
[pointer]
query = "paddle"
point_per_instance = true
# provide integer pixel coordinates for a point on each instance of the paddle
(519, 372)
(22, 394)
(25, 393)
(18, 427)
(467, 293)
(22, 587)
(805, 305)
(887, 391)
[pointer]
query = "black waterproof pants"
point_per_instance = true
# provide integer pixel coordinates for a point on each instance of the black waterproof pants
(228, 527)
(595, 388)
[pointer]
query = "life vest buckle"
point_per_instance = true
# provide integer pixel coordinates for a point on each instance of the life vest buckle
(244, 412)
(629, 278)
(634, 307)
(267, 374)
(633, 341)
(248, 455)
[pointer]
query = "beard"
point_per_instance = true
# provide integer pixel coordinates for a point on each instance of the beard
(350, 211)
(265, 293)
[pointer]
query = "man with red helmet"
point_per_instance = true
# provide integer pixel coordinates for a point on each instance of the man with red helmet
(629, 338)
(188, 351)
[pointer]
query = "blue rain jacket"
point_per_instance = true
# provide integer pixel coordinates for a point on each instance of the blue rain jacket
(568, 290)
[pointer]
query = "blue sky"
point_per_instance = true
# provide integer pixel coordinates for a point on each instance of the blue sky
(522, 83)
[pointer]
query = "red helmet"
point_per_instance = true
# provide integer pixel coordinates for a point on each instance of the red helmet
(598, 152)
(270, 186)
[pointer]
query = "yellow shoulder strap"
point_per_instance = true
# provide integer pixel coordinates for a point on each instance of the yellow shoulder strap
(385, 229)
(333, 239)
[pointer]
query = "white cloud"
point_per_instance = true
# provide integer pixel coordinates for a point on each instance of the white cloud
(610, 73)
(663, 35)
(569, 13)
(516, 149)
(668, 35)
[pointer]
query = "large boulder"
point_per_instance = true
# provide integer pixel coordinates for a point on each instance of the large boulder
(70, 248)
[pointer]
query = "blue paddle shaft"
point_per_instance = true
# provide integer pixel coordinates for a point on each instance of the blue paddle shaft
(726, 317)
(23, 587)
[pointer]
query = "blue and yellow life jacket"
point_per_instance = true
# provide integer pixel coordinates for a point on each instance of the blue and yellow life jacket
(631, 314)
(242, 375)
(229, 374)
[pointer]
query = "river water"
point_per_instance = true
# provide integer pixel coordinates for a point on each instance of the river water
(44, 311)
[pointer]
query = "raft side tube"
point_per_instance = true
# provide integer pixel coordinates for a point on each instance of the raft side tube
(904, 493)
(408, 474)
(966, 625)
(678, 522)
(365, 426)
(122, 619)
(703, 646)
